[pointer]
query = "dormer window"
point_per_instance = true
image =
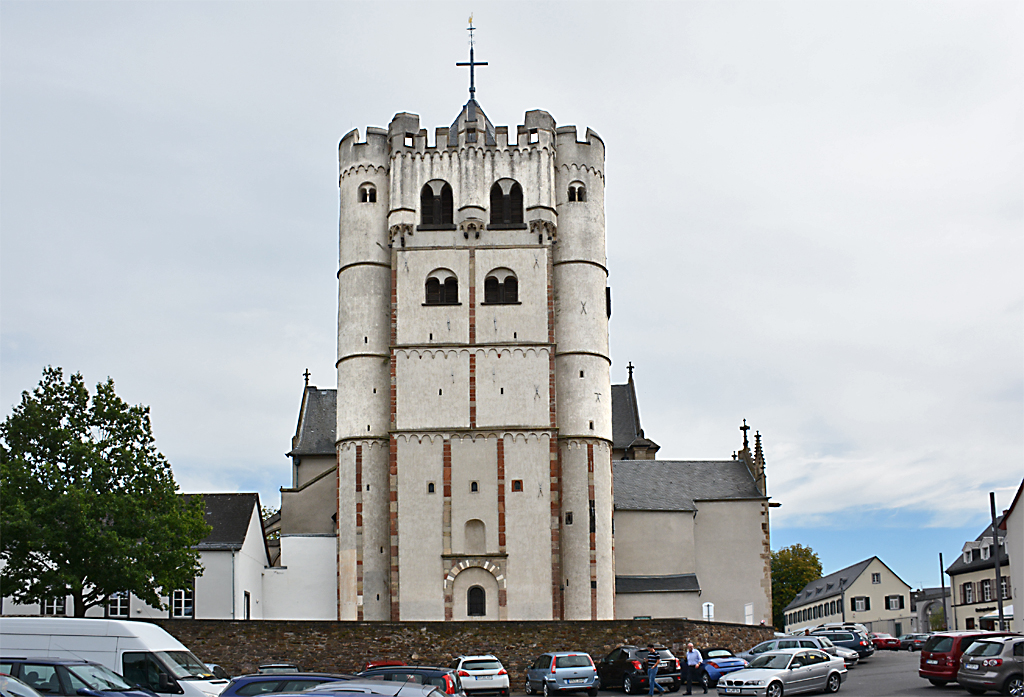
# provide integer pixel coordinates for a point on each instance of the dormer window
(367, 193)
(967, 556)
(501, 288)
(436, 206)
(577, 192)
(985, 552)
(442, 288)
(506, 205)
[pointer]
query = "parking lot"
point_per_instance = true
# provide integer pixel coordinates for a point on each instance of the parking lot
(885, 673)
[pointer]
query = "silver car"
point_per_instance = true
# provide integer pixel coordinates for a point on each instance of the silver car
(786, 671)
(562, 671)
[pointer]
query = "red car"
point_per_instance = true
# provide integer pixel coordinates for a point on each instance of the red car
(885, 641)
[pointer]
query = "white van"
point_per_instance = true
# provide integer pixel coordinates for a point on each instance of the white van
(141, 652)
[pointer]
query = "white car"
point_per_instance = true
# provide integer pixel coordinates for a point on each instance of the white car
(481, 675)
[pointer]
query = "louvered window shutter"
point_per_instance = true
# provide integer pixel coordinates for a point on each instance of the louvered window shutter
(901, 602)
(853, 605)
(867, 603)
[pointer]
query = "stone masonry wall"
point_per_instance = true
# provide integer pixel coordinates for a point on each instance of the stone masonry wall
(343, 647)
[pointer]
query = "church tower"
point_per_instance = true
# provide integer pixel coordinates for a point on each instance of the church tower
(474, 400)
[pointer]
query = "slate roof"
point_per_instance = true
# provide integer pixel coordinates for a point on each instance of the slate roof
(657, 584)
(625, 416)
(676, 485)
(828, 586)
(318, 419)
(977, 563)
(229, 516)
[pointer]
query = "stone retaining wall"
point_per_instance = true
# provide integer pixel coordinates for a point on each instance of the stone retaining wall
(343, 647)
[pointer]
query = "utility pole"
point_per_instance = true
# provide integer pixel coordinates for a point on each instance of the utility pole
(999, 578)
(942, 580)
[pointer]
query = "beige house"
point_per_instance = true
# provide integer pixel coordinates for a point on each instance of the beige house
(868, 593)
(972, 580)
(1012, 526)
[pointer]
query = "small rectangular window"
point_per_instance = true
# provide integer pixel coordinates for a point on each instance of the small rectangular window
(517, 485)
(55, 606)
(430, 487)
(474, 487)
(581, 373)
(117, 605)
(181, 603)
(534, 136)
(568, 518)
(409, 140)
(876, 578)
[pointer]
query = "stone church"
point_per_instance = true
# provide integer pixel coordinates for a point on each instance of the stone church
(475, 460)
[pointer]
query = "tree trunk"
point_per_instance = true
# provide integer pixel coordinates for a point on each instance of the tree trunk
(79, 603)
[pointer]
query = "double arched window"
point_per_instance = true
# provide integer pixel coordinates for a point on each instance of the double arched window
(436, 205)
(367, 193)
(501, 287)
(506, 204)
(442, 288)
(577, 192)
(476, 602)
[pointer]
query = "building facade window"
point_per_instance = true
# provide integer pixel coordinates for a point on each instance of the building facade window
(437, 206)
(117, 605)
(1004, 587)
(876, 578)
(501, 287)
(55, 606)
(506, 205)
(442, 288)
(577, 192)
(860, 604)
(967, 556)
(986, 590)
(476, 602)
(367, 193)
(894, 602)
(969, 623)
(181, 604)
(967, 593)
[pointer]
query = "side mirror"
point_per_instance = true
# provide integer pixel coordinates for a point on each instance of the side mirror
(164, 683)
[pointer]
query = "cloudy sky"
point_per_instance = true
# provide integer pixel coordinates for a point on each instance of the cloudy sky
(814, 222)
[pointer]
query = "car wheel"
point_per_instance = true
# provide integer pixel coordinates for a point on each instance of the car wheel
(545, 690)
(833, 683)
(627, 685)
(705, 680)
(674, 687)
(774, 690)
(1014, 686)
(529, 687)
(592, 692)
(937, 682)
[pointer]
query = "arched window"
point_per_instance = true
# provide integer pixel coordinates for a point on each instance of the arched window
(367, 193)
(476, 602)
(501, 287)
(506, 204)
(436, 205)
(442, 288)
(577, 192)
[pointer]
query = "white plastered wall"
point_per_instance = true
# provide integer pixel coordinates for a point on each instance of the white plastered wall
(527, 522)
(304, 587)
(420, 545)
(730, 565)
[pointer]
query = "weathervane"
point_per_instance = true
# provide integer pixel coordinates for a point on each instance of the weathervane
(472, 63)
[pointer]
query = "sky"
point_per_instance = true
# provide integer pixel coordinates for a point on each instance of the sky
(815, 221)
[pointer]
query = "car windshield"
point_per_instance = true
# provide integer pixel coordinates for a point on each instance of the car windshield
(485, 664)
(572, 662)
(99, 677)
(826, 642)
(984, 648)
(938, 644)
(184, 666)
(771, 660)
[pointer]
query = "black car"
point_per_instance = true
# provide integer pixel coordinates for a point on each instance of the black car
(627, 666)
(265, 683)
(58, 676)
(444, 679)
(849, 638)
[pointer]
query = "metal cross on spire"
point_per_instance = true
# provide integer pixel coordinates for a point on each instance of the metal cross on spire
(745, 428)
(472, 63)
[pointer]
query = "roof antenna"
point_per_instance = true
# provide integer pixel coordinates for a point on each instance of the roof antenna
(472, 63)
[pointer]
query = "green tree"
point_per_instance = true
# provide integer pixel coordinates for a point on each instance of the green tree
(793, 568)
(88, 506)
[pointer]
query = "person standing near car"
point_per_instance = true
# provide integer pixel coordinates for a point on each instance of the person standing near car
(652, 670)
(693, 663)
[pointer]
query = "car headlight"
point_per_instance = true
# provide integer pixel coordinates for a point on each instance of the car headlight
(754, 682)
